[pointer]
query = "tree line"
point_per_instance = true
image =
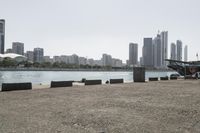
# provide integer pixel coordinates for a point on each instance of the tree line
(11, 63)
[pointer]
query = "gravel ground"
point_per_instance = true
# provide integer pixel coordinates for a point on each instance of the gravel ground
(164, 106)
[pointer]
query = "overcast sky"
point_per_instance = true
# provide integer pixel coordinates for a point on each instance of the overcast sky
(92, 27)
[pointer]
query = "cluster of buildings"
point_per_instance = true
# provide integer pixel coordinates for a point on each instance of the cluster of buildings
(155, 51)
(37, 54)
(106, 60)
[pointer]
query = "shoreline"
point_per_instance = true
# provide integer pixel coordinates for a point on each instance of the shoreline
(84, 70)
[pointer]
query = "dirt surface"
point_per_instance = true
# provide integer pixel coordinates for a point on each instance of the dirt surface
(164, 106)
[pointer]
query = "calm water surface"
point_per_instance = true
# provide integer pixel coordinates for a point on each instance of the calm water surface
(45, 77)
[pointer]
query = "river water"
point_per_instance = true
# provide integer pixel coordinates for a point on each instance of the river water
(45, 77)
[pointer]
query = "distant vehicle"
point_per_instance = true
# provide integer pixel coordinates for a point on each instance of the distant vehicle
(175, 75)
(198, 74)
(184, 68)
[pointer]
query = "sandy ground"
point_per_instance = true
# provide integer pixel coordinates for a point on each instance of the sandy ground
(164, 106)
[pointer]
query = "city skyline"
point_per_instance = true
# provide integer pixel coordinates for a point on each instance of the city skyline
(76, 27)
(154, 52)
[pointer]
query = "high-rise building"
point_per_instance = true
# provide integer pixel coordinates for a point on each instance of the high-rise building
(2, 36)
(148, 52)
(173, 51)
(164, 43)
(157, 51)
(38, 55)
(179, 50)
(107, 60)
(133, 54)
(186, 53)
(30, 56)
(18, 48)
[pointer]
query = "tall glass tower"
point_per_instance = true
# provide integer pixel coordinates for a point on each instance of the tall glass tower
(2, 35)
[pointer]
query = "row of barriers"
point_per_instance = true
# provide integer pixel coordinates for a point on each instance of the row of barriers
(138, 76)
(162, 78)
(54, 84)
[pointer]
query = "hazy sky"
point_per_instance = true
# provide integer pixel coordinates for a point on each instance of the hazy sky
(92, 27)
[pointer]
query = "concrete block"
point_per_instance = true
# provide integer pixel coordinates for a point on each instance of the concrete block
(153, 79)
(164, 78)
(139, 74)
(93, 82)
(116, 81)
(55, 84)
(16, 86)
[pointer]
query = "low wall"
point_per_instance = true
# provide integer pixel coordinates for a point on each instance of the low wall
(93, 82)
(55, 84)
(116, 81)
(16, 86)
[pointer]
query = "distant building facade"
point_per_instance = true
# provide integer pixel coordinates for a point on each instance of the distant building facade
(47, 59)
(98, 62)
(30, 56)
(64, 59)
(18, 48)
(141, 61)
(173, 51)
(2, 36)
(74, 59)
(133, 54)
(179, 50)
(82, 61)
(117, 63)
(148, 52)
(186, 53)
(56, 59)
(38, 55)
(9, 50)
(107, 60)
(164, 43)
(157, 51)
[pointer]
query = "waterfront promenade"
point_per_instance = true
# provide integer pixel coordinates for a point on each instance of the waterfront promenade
(163, 106)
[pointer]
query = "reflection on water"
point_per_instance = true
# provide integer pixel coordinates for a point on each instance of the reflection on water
(45, 77)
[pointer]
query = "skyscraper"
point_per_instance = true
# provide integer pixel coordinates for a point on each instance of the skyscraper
(179, 50)
(38, 55)
(157, 51)
(133, 54)
(2, 36)
(148, 52)
(173, 51)
(106, 60)
(164, 43)
(18, 48)
(186, 53)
